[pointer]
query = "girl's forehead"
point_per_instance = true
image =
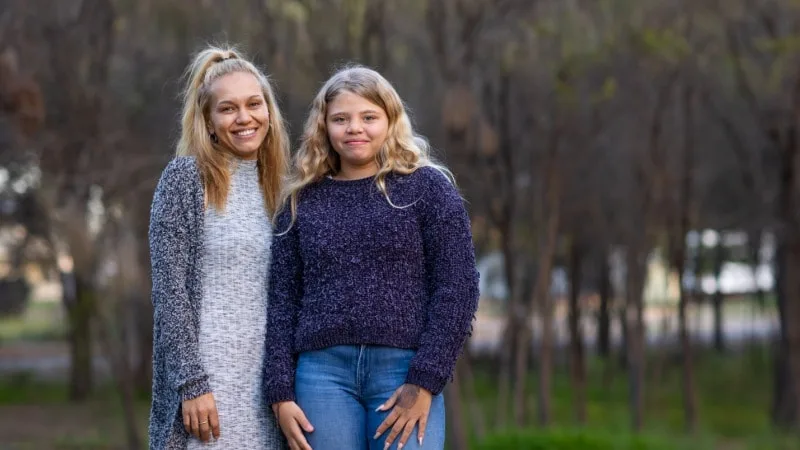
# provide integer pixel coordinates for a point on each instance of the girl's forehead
(351, 102)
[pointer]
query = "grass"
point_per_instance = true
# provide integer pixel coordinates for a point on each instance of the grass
(733, 393)
(38, 415)
(734, 397)
(41, 321)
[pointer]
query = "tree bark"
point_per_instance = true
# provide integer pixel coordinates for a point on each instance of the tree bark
(604, 315)
(717, 299)
(577, 356)
(679, 262)
(80, 309)
(457, 437)
(784, 410)
(636, 338)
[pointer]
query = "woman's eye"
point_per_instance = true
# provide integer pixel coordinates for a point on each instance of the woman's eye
(338, 120)
(255, 104)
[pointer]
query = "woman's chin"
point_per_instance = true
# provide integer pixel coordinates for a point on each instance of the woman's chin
(245, 152)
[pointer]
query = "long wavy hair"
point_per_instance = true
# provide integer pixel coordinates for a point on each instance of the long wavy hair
(212, 159)
(403, 152)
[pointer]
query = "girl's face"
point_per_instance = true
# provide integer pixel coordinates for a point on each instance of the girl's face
(239, 115)
(357, 129)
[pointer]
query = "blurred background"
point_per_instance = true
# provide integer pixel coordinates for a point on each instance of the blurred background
(632, 170)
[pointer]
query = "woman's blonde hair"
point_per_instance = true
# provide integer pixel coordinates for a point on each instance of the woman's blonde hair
(403, 152)
(209, 65)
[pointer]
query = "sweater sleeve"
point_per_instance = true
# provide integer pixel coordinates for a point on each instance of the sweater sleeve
(285, 293)
(452, 280)
(175, 327)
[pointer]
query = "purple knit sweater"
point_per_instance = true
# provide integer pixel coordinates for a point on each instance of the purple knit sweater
(355, 270)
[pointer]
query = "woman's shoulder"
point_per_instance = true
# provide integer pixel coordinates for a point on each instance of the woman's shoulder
(180, 173)
(181, 167)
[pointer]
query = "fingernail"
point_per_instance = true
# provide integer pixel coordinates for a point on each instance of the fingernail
(386, 446)
(399, 446)
(376, 436)
(420, 441)
(379, 408)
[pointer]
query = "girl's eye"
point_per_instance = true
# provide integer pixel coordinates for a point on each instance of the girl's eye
(338, 119)
(370, 118)
(255, 104)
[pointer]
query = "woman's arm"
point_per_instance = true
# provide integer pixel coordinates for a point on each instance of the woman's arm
(172, 219)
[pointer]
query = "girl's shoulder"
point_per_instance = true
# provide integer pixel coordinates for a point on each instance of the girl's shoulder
(428, 179)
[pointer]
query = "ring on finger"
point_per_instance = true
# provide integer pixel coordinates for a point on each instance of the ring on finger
(203, 422)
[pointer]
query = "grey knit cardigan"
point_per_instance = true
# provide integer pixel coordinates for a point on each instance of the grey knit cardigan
(176, 239)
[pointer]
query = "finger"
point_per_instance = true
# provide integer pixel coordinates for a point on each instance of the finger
(293, 445)
(205, 430)
(299, 438)
(388, 404)
(387, 422)
(302, 420)
(396, 430)
(407, 430)
(213, 421)
(195, 425)
(187, 422)
(423, 425)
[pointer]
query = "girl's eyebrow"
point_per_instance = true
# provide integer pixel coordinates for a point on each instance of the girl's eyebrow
(366, 111)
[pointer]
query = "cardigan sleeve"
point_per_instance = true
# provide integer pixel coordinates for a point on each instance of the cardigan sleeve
(173, 226)
(452, 280)
(285, 293)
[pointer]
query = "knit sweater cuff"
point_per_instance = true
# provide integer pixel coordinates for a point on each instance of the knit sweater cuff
(427, 380)
(194, 389)
(283, 395)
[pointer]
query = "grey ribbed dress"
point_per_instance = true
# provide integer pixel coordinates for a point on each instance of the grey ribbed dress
(233, 314)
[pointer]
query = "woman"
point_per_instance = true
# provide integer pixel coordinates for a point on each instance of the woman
(373, 286)
(210, 237)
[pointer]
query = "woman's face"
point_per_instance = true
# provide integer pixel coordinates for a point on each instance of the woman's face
(357, 129)
(239, 115)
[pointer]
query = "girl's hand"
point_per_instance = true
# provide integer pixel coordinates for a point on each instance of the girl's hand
(200, 417)
(410, 404)
(293, 422)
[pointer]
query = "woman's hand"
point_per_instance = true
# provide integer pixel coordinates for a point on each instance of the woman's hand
(410, 404)
(200, 417)
(293, 422)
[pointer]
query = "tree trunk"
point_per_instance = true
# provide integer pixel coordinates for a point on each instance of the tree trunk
(689, 395)
(791, 314)
(144, 331)
(604, 315)
(469, 396)
(511, 332)
(457, 438)
(784, 411)
(679, 262)
(79, 304)
(717, 299)
(635, 339)
(542, 299)
(577, 357)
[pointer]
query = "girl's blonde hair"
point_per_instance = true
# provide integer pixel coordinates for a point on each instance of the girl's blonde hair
(403, 152)
(209, 65)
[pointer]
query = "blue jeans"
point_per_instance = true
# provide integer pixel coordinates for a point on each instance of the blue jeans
(339, 389)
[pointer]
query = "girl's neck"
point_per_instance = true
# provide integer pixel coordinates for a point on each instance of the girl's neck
(356, 173)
